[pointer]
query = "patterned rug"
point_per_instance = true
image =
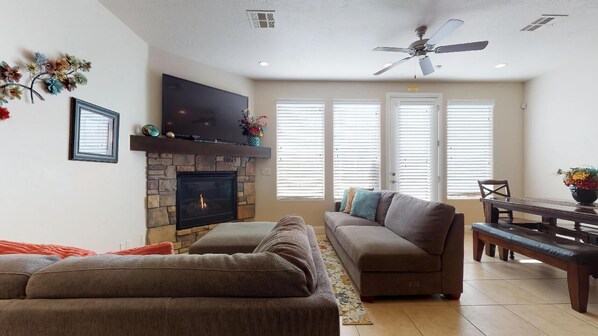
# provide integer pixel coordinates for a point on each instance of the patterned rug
(351, 308)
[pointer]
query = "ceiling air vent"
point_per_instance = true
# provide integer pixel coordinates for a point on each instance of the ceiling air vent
(261, 18)
(542, 20)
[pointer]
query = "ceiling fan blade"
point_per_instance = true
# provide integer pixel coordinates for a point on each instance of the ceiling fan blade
(444, 31)
(426, 65)
(393, 65)
(461, 47)
(405, 50)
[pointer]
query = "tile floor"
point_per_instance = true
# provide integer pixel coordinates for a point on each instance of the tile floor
(515, 298)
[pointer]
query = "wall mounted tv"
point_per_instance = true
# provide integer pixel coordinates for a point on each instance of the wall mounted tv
(201, 112)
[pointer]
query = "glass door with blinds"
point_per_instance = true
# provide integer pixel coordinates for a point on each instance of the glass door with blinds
(414, 145)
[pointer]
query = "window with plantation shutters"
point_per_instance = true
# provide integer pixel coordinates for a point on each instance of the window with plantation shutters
(416, 148)
(356, 127)
(300, 150)
(468, 146)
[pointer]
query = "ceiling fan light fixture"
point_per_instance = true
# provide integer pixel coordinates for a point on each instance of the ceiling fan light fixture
(424, 46)
(500, 65)
(263, 63)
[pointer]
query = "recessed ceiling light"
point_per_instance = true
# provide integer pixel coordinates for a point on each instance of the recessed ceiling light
(263, 63)
(500, 65)
(386, 65)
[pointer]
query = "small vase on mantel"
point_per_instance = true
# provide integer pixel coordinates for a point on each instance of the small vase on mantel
(583, 196)
(254, 141)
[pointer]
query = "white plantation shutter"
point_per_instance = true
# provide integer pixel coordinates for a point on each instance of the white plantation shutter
(356, 146)
(468, 146)
(300, 150)
(415, 154)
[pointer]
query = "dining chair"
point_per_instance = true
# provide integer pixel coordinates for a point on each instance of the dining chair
(500, 188)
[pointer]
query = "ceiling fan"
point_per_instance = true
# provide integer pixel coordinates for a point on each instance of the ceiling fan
(423, 46)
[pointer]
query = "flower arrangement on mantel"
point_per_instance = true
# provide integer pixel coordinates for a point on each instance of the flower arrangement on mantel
(252, 125)
(55, 74)
(580, 177)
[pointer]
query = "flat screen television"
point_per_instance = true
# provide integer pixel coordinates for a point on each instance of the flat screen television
(201, 112)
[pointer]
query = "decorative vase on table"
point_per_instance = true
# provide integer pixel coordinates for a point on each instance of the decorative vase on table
(253, 127)
(254, 141)
(583, 183)
(583, 196)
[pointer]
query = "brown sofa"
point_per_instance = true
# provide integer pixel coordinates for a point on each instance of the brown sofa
(413, 247)
(273, 292)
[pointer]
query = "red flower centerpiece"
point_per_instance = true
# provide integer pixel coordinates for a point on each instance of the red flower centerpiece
(583, 183)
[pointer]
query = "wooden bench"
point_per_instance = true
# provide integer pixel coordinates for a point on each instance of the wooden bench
(579, 260)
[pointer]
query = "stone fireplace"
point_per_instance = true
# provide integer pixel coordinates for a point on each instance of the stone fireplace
(162, 172)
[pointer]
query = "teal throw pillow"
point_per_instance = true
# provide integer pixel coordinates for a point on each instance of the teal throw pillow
(344, 200)
(365, 204)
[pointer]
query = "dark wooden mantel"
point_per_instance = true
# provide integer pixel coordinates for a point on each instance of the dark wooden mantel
(166, 145)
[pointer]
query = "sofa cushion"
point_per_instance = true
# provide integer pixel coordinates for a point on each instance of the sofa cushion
(386, 197)
(424, 223)
(289, 240)
(183, 275)
(344, 200)
(334, 220)
(15, 270)
(230, 238)
(349, 202)
(365, 204)
(377, 249)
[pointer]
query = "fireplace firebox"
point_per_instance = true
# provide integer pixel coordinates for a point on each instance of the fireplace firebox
(204, 198)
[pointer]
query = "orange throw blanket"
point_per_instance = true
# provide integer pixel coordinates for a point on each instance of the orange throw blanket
(159, 248)
(9, 247)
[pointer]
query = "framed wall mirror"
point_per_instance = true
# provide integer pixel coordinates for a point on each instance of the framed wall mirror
(94, 133)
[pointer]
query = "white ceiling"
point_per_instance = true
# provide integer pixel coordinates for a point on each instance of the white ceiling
(333, 39)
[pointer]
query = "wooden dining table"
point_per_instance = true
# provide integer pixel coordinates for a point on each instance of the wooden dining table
(582, 220)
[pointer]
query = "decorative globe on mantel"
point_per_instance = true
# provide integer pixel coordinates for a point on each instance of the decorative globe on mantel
(150, 130)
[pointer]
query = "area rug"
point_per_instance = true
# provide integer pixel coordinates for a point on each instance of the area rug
(351, 308)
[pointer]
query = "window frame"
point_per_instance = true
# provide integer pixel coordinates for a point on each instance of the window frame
(322, 188)
(472, 194)
(378, 123)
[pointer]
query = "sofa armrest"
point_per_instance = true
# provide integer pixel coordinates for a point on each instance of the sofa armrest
(452, 257)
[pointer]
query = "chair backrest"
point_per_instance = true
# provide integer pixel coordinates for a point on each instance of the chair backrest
(492, 188)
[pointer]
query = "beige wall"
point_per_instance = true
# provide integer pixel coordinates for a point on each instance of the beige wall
(560, 126)
(44, 197)
(508, 134)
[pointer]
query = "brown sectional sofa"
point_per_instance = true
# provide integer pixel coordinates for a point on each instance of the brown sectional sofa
(414, 247)
(264, 293)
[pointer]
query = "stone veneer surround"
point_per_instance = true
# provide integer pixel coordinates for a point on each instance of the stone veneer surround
(162, 169)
